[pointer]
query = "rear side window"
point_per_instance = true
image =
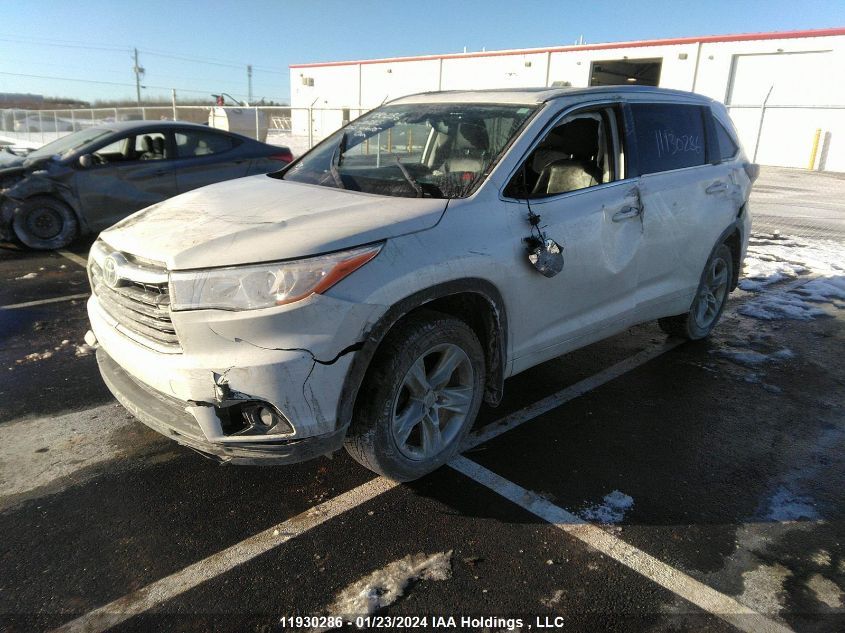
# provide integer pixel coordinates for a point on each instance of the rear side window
(668, 136)
(201, 143)
(727, 145)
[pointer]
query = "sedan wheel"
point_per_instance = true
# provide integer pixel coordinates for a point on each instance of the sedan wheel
(45, 223)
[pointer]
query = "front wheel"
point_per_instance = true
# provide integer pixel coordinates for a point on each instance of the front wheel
(710, 299)
(44, 223)
(420, 397)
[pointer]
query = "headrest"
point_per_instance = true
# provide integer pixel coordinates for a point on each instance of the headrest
(473, 135)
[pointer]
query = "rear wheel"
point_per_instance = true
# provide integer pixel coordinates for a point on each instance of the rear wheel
(710, 299)
(44, 223)
(420, 398)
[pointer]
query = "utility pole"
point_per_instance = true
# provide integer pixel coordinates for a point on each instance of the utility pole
(138, 72)
(249, 82)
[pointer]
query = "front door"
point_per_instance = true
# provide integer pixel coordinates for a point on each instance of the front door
(573, 179)
(128, 174)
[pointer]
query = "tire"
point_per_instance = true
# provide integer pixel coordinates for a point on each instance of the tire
(45, 223)
(710, 299)
(383, 435)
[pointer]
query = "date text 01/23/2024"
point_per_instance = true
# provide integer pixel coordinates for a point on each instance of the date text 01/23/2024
(422, 622)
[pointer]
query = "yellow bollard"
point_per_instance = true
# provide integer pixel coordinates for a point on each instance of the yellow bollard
(814, 150)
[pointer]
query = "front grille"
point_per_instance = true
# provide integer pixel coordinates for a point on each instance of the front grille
(135, 295)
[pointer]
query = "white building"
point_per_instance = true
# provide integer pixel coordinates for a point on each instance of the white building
(802, 72)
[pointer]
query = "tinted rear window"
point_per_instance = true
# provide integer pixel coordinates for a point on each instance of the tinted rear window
(669, 136)
(727, 146)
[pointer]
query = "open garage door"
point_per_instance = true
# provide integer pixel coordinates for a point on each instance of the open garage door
(626, 72)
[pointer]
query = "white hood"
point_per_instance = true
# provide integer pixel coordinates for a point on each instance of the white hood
(260, 218)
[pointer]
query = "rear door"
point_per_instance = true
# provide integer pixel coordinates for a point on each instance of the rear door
(686, 202)
(204, 157)
(574, 180)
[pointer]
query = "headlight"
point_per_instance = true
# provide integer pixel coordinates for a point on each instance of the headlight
(264, 285)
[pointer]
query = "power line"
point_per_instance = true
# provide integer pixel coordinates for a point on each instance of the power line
(108, 83)
(87, 46)
(82, 45)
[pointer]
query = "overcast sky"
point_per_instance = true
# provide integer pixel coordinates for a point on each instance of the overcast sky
(203, 46)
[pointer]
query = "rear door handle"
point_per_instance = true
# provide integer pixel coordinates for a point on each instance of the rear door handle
(716, 187)
(626, 214)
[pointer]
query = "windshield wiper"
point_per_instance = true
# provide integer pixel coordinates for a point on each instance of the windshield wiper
(408, 176)
(337, 159)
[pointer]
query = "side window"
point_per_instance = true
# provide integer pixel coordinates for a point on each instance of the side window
(669, 136)
(115, 152)
(192, 143)
(576, 154)
(151, 146)
(727, 145)
(147, 146)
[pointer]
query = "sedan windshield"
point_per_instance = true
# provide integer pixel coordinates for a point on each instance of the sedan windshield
(436, 150)
(70, 143)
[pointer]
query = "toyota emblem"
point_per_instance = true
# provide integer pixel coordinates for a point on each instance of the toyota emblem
(110, 272)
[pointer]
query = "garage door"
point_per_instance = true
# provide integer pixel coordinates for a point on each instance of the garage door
(798, 79)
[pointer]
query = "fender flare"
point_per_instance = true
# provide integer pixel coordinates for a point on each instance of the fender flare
(734, 227)
(496, 354)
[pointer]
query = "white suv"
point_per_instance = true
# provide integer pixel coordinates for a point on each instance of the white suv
(377, 290)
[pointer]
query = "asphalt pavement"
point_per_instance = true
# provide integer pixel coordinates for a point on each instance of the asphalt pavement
(638, 484)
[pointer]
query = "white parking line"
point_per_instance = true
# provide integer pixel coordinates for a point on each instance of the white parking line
(676, 581)
(563, 396)
(76, 259)
(39, 302)
(169, 587)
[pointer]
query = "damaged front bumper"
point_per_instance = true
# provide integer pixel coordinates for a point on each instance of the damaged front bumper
(171, 418)
(231, 369)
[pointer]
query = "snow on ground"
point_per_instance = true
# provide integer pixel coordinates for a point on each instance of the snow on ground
(611, 510)
(386, 585)
(27, 276)
(753, 358)
(775, 258)
(79, 351)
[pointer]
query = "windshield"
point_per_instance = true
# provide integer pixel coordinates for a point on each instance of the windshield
(70, 143)
(433, 150)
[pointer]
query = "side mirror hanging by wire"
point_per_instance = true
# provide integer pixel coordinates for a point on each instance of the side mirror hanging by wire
(544, 253)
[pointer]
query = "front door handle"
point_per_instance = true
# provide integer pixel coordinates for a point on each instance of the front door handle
(716, 187)
(626, 214)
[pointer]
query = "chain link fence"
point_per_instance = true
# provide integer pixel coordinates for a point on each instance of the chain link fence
(299, 129)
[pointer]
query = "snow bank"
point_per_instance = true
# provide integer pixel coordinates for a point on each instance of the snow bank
(775, 258)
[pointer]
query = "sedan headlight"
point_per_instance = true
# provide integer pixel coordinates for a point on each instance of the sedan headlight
(264, 285)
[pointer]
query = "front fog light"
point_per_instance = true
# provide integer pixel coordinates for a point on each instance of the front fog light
(273, 422)
(256, 418)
